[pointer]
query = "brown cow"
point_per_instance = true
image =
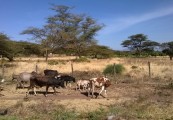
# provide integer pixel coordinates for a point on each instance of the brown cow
(101, 82)
(38, 80)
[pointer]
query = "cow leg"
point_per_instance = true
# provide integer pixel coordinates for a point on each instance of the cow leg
(17, 85)
(54, 90)
(22, 85)
(93, 90)
(47, 87)
(28, 91)
(70, 84)
(89, 90)
(103, 88)
(34, 89)
(79, 87)
(65, 84)
(76, 87)
(105, 93)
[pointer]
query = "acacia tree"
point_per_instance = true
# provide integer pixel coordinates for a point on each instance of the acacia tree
(5, 49)
(97, 51)
(167, 48)
(139, 43)
(66, 30)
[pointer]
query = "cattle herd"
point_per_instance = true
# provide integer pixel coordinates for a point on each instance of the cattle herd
(52, 78)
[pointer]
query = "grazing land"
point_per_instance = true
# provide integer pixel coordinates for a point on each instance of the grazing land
(133, 95)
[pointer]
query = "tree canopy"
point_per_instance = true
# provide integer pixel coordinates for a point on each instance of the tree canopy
(5, 47)
(167, 48)
(139, 43)
(66, 30)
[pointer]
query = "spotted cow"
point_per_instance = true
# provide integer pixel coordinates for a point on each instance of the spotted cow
(101, 82)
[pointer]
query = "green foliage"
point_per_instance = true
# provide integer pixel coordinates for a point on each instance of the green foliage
(66, 30)
(81, 59)
(100, 52)
(6, 50)
(134, 67)
(117, 68)
(167, 48)
(55, 62)
(64, 114)
(8, 118)
(10, 49)
(139, 43)
(26, 49)
(99, 114)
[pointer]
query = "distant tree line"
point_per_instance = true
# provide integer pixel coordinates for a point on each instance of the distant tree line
(11, 49)
(74, 34)
(145, 48)
(140, 45)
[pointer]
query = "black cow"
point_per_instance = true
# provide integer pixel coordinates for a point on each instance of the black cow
(66, 79)
(51, 73)
(38, 80)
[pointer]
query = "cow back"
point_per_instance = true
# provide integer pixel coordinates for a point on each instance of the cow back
(66, 78)
(25, 76)
(52, 73)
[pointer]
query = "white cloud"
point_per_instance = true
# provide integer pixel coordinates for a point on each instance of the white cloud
(115, 25)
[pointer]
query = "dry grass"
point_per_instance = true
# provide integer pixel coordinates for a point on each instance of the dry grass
(160, 67)
(143, 98)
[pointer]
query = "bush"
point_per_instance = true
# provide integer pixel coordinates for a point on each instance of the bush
(81, 59)
(110, 69)
(55, 62)
(63, 114)
(99, 114)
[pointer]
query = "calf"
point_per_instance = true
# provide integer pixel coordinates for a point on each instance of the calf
(51, 73)
(82, 83)
(38, 80)
(101, 82)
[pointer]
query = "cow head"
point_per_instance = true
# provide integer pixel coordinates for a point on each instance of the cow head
(73, 79)
(107, 83)
(62, 84)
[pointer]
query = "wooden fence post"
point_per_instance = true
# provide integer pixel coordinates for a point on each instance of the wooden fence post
(2, 66)
(114, 70)
(149, 69)
(36, 68)
(1, 61)
(3, 71)
(72, 68)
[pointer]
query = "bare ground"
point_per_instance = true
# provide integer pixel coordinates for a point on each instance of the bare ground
(70, 98)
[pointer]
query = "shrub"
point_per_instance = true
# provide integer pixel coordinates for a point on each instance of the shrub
(99, 114)
(63, 114)
(134, 67)
(110, 69)
(81, 59)
(55, 62)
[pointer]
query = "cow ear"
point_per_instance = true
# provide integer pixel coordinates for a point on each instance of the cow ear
(105, 76)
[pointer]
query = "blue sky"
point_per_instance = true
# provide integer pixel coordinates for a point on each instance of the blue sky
(122, 18)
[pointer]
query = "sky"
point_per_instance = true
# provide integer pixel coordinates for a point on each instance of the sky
(122, 18)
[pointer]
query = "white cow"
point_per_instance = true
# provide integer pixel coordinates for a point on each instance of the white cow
(82, 84)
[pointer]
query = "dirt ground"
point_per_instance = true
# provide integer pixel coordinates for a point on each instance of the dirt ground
(117, 93)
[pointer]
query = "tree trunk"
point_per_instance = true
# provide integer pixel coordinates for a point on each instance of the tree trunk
(170, 57)
(46, 54)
